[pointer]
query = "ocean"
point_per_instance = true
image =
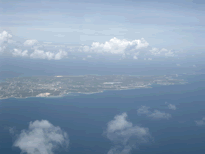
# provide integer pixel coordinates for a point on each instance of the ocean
(85, 118)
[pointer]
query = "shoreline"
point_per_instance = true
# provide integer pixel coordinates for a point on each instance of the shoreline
(89, 93)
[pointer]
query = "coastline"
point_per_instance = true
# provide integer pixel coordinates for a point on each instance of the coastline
(88, 93)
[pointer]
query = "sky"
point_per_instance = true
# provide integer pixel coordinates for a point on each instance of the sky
(145, 30)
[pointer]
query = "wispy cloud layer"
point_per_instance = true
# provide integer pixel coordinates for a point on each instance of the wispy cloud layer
(125, 135)
(41, 138)
(156, 114)
(159, 115)
(200, 122)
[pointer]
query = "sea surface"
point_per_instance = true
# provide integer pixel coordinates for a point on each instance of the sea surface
(85, 118)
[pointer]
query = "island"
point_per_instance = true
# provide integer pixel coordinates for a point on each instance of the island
(50, 86)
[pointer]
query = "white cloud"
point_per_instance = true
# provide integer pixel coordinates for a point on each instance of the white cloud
(30, 42)
(143, 110)
(61, 54)
(18, 52)
(5, 37)
(135, 57)
(155, 115)
(200, 122)
(159, 115)
(172, 107)
(41, 138)
(161, 52)
(134, 49)
(48, 55)
(2, 48)
(124, 135)
(42, 55)
(117, 46)
(178, 64)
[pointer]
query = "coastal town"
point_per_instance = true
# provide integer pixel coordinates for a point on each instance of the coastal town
(50, 86)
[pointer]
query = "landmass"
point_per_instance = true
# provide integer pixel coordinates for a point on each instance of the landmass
(52, 86)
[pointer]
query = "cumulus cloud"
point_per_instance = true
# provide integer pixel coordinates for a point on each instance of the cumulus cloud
(172, 106)
(19, 52)
(125, 135)
(61, 54)
(117, 46)
(133, 49)
(30, 42)
(2, 48)
(156, 114)
(200, 122)
(41, 138)
(5, 37)
(48, 55)
(135, 57)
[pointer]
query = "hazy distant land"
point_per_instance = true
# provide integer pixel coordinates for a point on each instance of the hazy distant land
(52, 86)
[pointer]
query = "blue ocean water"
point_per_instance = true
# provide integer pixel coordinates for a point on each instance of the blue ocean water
(85, 117)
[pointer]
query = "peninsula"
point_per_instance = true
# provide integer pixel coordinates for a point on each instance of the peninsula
(49, 86)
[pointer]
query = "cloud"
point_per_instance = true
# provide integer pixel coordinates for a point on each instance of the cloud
(5, 37)
(135, 57)
(161, 52)
(200, 122)
(2, 48)
(18, 52)
(12, 130)
(156, 114)
(143, 110)
(159, 115)
(59, 35)
(172, 107)
(61, 54)
(30, 42)
(117, 46)
(41, 138)
(124, 135)
(126, 49)
(48, 55)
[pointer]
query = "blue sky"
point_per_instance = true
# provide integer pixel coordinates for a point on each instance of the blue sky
(178, 23)
(171, 25)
